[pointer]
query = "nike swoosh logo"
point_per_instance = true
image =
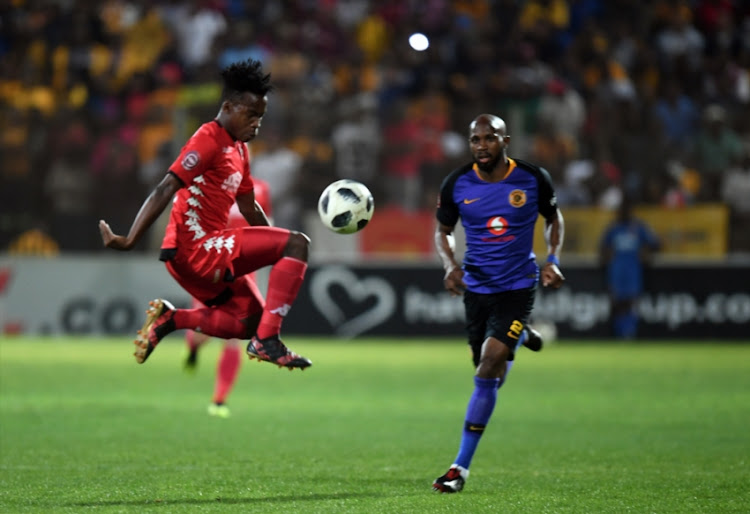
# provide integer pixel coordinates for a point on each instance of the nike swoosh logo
(467, 201)
(474, 428)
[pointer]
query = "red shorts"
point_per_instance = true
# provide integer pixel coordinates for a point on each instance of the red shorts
(246, 299)
(218, 272)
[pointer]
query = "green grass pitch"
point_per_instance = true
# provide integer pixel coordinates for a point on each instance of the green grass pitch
(580, 428)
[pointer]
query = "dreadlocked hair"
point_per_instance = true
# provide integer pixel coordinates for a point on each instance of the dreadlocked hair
(243, 77)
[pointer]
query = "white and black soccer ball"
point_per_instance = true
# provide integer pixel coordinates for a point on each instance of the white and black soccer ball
(346, 206)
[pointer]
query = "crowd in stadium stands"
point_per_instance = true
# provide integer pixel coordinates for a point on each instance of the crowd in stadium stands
(645, 99)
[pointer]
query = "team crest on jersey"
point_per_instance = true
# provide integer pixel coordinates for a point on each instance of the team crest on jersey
(190, 160)
(517, 198)
(232, 182)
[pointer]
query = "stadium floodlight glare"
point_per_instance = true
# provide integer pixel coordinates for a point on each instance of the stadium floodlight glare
(419, 41)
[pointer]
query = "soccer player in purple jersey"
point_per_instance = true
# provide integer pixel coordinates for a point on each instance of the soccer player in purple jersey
(498, 200)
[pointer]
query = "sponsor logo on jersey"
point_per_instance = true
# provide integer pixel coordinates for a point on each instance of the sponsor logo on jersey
(232, 182)
(191, 160)
(517, 198)
(497, 225)
(467, 201)
(228, 149)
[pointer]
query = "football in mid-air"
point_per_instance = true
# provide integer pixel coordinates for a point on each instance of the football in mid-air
(346, 206)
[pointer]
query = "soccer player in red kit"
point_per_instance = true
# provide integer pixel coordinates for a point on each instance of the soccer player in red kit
(229, 363)
(211, 262)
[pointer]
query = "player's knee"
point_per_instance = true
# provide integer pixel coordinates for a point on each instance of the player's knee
(495, 355)
(298, 246)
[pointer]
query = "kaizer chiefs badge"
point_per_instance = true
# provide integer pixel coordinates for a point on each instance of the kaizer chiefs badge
(517, 198)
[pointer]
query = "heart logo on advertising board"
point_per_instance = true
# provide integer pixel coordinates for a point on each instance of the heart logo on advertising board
(358, 290)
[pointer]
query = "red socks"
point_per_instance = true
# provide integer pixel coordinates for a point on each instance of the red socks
(226, 371)
(284, 282)
(212, 322)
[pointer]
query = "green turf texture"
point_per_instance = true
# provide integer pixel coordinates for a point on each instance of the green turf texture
(580, 428)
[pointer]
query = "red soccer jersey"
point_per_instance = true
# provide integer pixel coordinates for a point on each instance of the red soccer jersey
(214, 169)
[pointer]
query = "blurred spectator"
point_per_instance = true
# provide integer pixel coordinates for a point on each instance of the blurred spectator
(573, 189)
(356, 140)
(716, 149)
(433, 113)
(35, 242)
(17, 174)
(401, 159)
(678, 117)
(144, 38)
(545, 22)
(679, 43)
(309, 141)
(240, 43)
(281, 167)
(552, 150)
(373, 37)
(562, 109)
(634, 140)
(70, 191)
(735, 191)
(197, 26)
(605, 185)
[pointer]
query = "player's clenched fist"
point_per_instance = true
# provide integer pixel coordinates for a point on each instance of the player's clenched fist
(552, 276)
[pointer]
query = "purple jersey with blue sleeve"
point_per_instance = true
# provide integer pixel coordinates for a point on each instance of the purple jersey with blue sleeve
(498, 219)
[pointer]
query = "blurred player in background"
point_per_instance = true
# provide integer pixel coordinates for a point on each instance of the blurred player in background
(498, 200)
(211, 262)
(230, 360)
(625, 249)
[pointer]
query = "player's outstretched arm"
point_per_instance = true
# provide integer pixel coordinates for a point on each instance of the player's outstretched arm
(553, 235)
(252, 211)
(151, 209)
(445, 244)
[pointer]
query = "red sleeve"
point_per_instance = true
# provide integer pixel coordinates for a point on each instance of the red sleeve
(195, 157)
(247, 183)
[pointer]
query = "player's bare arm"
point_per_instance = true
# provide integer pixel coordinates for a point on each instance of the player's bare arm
(445, 244)
(251, 210)
(152, 208)
(553, 235)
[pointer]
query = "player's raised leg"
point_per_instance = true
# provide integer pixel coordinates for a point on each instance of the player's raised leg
(162, 319)
(284, 282)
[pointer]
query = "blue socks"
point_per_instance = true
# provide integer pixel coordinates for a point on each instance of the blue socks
(479, 411)
(481, 405)
(626, 325)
